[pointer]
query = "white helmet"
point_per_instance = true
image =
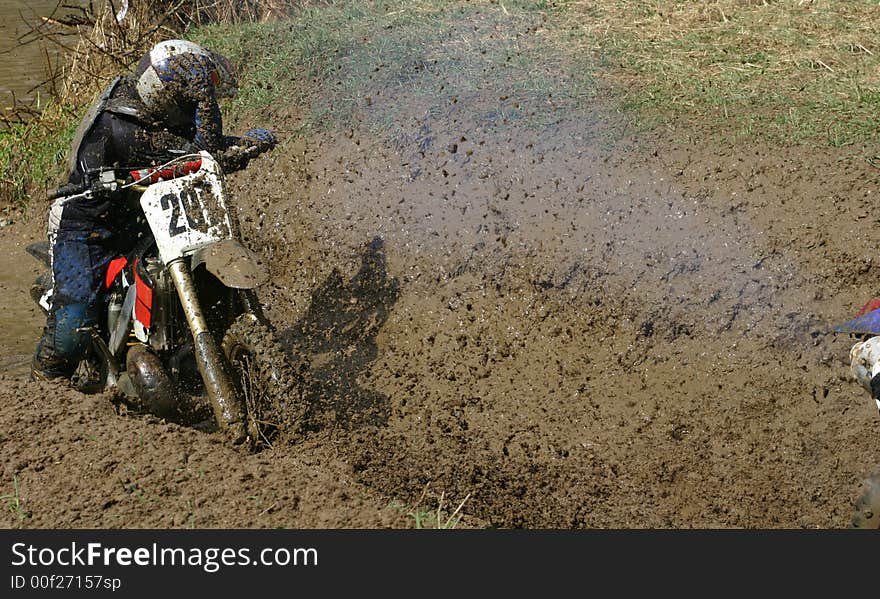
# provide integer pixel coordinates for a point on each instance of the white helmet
(149, 84)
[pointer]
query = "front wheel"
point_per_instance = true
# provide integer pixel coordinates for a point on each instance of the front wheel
(271, 387)
(867, 508)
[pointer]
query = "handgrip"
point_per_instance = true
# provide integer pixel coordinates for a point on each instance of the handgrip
(67, 190)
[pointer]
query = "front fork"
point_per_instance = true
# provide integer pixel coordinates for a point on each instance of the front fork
(212, 365)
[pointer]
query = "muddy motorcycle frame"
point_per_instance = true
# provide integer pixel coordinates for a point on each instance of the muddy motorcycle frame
(188, 225)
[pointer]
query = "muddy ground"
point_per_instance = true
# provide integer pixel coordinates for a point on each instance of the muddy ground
(564, 324)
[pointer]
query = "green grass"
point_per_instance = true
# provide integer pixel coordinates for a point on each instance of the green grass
(13, 502)
(785, 71)
(191, 514)
(33, 155)
(439, 517)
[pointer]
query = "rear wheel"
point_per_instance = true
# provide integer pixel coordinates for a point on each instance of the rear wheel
(270, 385)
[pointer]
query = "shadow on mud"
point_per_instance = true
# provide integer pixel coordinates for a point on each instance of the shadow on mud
(338, 334)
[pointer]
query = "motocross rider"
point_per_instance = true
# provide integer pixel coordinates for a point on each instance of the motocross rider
(166, 107)
(865, 354)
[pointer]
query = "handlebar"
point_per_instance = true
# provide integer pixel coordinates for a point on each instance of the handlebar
(68, 190)
(233, 158)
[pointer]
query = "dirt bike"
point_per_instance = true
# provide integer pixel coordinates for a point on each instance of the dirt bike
(182, 318)
(865, 367)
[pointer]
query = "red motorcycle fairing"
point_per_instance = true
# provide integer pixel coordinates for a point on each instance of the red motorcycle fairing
(143, 305)
(113, 269)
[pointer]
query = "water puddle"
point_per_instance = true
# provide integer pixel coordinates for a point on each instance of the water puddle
(26, 61)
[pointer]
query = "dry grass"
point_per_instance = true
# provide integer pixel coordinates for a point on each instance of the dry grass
(105, 45)
(103, 38)
(204, 12)
(811, 68)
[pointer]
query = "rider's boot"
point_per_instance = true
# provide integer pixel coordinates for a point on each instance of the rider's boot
(61, 346)
(47, 364)
(40, 289)
(43, 369)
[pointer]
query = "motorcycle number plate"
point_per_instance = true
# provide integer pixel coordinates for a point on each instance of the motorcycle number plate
(188, 212)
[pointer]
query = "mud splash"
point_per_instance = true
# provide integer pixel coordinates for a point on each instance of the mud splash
(575, 317)
(566, 322)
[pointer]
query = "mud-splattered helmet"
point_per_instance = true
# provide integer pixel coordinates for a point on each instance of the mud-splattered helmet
(225, 80)
(167, 62)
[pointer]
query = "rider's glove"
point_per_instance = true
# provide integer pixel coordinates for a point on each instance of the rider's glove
(259, 137)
